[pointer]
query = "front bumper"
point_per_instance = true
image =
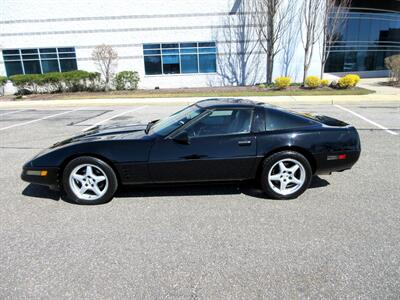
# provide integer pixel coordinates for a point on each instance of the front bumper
(32, 175)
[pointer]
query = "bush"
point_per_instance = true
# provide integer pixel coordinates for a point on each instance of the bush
(56, 82)
(393, 64)
(3, 80)
(345, 82)
(26, 84)
(79, 81)
(282, 82)
(262, 86)
(348, 81)
(126, 80)
(312, 82)
(355, 78)
(324, 82)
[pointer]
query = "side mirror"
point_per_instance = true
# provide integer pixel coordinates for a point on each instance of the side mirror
(182, 138)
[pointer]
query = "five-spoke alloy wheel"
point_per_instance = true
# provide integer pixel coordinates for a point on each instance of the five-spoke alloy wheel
(285, 175)
(88, 180)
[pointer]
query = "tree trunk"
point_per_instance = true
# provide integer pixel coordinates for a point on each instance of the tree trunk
(270, 45)
(306, 67)
(324, 56)
(107, 79)
(107, 86)
(270, 67)
(322, 69)
(243, 67)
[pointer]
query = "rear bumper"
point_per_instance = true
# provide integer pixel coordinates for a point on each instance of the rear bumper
(32, 175)
(325, 165)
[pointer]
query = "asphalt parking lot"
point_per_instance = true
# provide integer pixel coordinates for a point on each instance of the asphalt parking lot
(340, 239)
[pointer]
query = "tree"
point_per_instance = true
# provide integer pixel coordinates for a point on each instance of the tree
(393, 64)
(334, 15)
(311, 20)
(273, 17)
(105, 58)
(289, 42)
(238, 65)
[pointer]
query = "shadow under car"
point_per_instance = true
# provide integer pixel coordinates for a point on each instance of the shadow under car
(247, 188)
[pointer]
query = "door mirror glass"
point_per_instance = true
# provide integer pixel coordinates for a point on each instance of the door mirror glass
(182, 138)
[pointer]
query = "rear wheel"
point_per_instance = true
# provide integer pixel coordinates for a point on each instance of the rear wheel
(285, 175)
(88, 180)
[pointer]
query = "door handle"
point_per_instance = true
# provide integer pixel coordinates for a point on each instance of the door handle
(244, 143)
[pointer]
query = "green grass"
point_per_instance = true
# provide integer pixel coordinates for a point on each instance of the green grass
(200, 92)
(221, 93)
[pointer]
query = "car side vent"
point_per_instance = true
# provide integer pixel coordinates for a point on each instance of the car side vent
(126, 173)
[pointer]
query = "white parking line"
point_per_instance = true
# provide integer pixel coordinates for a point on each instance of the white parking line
(37, 120)
(113, 117)
(367, 120)
(13, 112)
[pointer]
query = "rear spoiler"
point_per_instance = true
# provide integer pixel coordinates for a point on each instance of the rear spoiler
(330, 121)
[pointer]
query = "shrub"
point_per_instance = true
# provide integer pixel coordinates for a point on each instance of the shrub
(77, 81)
(324, 82)
(312, 82)
(393, 64)
(355, 78)
(56, 82)
(262, 86)
(3, 80)
(282, 82)
(25, 82)
(348, 81)
(345, 82)
(126, 80)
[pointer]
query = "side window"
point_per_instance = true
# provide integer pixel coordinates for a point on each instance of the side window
(259, 120)
(224, 121)
(277, 120)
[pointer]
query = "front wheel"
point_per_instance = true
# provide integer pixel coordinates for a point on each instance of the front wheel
(88, 180)
(285, 175)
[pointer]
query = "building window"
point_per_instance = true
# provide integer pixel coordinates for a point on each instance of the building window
(180, 58)
(364, 40)
(39, 61)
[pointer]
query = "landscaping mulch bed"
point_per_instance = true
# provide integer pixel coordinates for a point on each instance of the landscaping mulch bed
(233, 91)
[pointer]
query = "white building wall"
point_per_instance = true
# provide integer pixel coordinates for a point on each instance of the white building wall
(126, 25)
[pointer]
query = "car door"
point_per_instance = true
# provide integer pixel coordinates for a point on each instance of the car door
(220, 146)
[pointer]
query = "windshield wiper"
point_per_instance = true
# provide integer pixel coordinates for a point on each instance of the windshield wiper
(149, 125)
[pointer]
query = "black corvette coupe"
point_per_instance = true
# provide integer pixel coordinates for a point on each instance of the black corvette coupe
(211, 140)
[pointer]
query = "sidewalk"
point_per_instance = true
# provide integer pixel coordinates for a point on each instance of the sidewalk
(374, 84)
(185, 101)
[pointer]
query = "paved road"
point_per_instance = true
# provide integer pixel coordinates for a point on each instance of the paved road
(341, 239)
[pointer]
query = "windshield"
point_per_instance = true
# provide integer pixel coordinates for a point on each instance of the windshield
(169, 124)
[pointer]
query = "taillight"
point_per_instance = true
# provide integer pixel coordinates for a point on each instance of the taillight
(337, 157)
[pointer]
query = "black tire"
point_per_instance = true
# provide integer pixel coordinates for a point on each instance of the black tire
(107, 170)
(269, 163)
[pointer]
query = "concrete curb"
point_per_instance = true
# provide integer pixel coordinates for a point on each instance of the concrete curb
(185, 101)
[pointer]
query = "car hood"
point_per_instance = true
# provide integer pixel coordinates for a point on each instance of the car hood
(121, 128)
(117, 131)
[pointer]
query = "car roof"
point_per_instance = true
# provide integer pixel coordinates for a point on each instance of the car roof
(227, 102)
(245, 103)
